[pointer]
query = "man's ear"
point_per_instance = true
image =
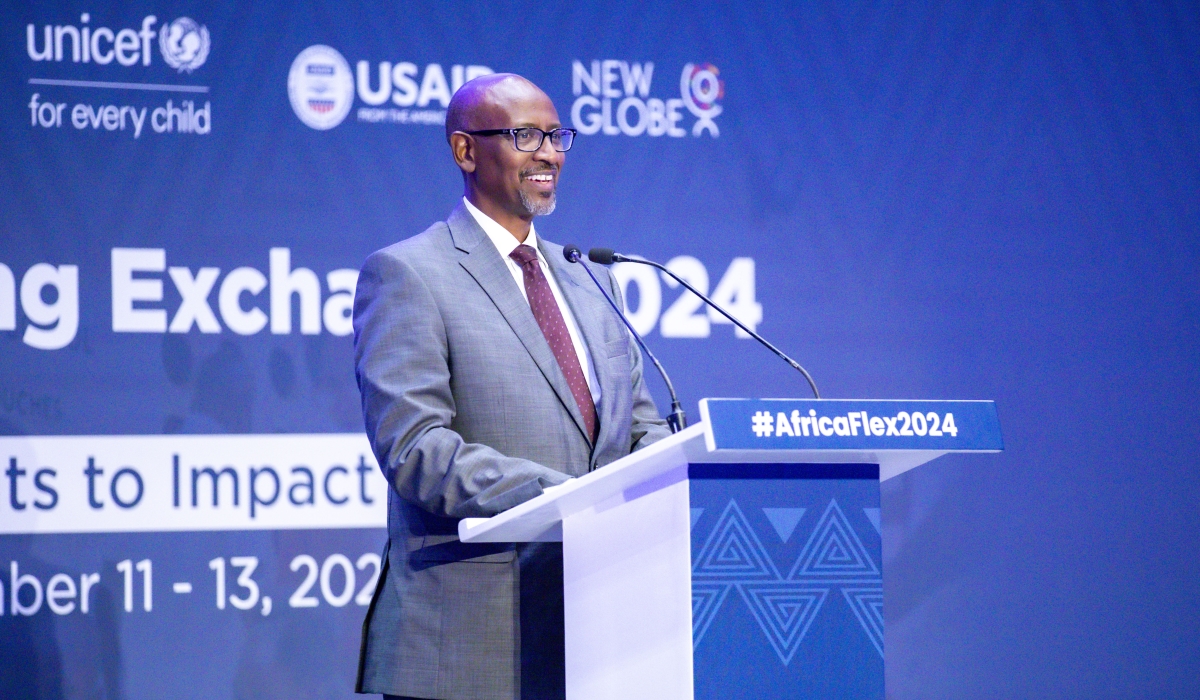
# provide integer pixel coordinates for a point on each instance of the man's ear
(463, 148)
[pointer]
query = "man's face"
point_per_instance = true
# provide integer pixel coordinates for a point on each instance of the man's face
(521, 183)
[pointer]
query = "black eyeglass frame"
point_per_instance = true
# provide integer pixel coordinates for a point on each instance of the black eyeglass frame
(513, 133)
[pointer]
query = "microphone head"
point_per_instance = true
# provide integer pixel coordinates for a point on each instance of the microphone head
(572, 253)
(603, 256)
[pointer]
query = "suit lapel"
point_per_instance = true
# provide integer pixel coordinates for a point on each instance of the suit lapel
(589, 310)
(483, 262)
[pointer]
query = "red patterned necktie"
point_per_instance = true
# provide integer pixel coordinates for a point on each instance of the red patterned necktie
(550, 319)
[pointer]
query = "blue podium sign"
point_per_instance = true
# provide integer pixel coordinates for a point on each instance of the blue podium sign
(852, 424)
(787, 581)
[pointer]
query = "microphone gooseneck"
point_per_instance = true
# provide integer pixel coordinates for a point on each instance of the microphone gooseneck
(677, 419)
(606, 256)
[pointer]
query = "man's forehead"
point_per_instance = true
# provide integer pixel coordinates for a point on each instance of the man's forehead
(500, 101)
(511, 97)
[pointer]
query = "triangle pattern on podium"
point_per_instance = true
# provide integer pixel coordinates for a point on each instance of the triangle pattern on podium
(784, 520)
(707, 599)
(873, 516)
(733, 552)
(867, 604)
(784, 611)
(834, 550)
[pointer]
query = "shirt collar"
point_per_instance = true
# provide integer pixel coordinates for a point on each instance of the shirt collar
(504, 241)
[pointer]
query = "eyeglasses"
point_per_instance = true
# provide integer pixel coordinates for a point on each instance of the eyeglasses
(530, 139)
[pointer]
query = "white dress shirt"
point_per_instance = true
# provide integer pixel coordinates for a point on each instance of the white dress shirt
(506, 243)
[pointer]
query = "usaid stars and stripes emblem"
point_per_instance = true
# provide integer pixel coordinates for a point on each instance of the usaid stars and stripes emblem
(321, 71)
(321, 87)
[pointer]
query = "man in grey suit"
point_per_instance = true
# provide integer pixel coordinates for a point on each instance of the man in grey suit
(491, 370)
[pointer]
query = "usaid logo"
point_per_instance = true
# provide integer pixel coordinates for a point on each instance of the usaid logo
(613, 97)
(321, 87)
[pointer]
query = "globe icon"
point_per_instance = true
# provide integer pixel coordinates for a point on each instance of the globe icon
(184, 44)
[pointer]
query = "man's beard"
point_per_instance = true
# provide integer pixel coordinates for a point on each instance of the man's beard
(536, 206)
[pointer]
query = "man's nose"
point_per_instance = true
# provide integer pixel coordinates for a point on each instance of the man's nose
(546, 150)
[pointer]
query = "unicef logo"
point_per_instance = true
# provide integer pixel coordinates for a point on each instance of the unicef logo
(701, 88)
(184, 44)
(321, 87)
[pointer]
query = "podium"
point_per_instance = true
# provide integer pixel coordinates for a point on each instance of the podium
(742, 556)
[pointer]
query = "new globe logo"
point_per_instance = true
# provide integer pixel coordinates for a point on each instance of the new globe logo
(321, 87)
(612, 97)
(184, 44)
(701, 88)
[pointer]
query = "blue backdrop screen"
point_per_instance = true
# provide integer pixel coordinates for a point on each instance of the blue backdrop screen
(979, 201)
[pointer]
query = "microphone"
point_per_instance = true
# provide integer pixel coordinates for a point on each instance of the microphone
(677, 420)
(607, 256)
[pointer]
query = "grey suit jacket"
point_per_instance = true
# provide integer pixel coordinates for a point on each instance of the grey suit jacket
(469, 414)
